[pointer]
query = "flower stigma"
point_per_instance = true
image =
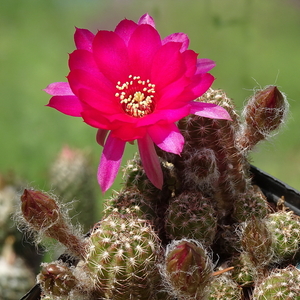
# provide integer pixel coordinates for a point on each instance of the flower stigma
(136, 96)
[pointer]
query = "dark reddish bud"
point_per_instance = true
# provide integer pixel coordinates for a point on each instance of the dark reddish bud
(265, 111)
(44, 216)
(56, 279)
(256, 240)
(188, 268)
(39, 209)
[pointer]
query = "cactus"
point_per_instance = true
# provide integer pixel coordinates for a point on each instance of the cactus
(122, 257)
(15, 275)
(285, 227)
(167, 244)
(250, 204)
(281, 284)
(191, 216)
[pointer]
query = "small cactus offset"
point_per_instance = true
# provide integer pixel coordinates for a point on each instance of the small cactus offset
(122, 258)
(172, 243)
(281, 284)
(285, 227)
(192, 216)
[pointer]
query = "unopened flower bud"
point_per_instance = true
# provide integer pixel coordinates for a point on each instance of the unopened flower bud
(256, 240)
(188, 269)
(264, 113)
(39, 209)
(266, 109)
(43, 215)
(56, 279)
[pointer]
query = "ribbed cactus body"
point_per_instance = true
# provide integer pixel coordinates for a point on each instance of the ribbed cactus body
(122, 258)
(191, 216)
(279, 285)
(285, 228)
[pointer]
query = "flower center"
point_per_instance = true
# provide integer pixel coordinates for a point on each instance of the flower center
(136, 96)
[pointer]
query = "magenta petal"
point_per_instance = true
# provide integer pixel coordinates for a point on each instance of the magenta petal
(143, 44)
(190, 61)
(204, 65)
(146, 19)
(79, 79)
(98, 101)
(178, 37)
(83, 60)
(69, 105)
(209, 110)
(167, 65)
(202, 82)
(101, 136)
(59, 89)
(110, 162)
(150, 161)
(111, 56)
(83, 39)
(125, 29)
(170, 97)
(167, 137)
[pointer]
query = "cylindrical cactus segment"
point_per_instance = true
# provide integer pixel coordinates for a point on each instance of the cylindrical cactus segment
(211, 161)
(187, 270)
(281, 284)
(122, 258)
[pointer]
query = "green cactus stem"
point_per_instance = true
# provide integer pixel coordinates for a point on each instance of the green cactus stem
(191, 216)
(122, 258)
(281, 284)
(285, 227)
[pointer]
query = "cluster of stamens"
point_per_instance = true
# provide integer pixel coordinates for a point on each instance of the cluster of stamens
(136, 96)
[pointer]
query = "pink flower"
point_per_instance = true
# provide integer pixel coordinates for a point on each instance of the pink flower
(136, 85)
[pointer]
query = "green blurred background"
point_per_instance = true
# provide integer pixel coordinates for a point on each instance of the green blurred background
(254, 42)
